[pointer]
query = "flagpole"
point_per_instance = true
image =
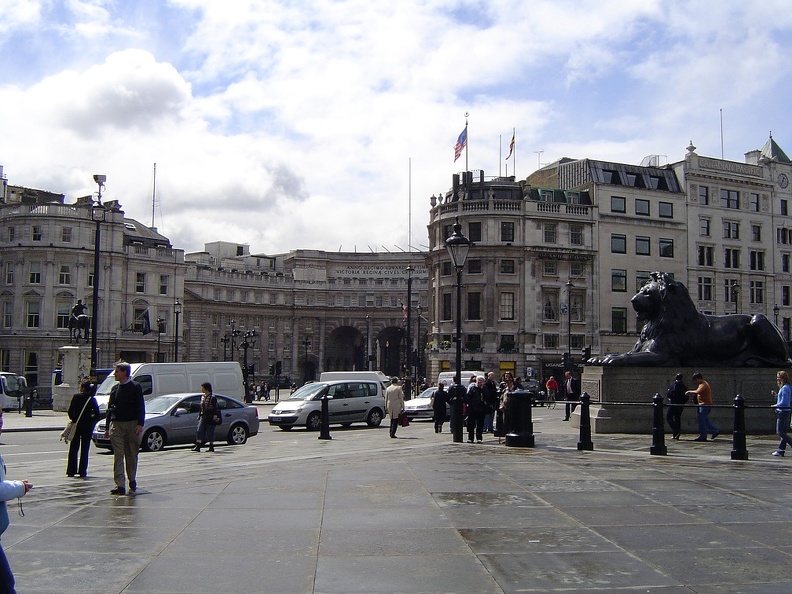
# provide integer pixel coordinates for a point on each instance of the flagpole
(500, 153)
(467, 143)
(514, 156)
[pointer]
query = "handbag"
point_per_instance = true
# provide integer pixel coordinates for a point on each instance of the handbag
(71, 427)
(404, 421)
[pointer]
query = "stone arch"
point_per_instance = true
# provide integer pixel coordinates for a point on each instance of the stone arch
(389, 347)
(345, 350)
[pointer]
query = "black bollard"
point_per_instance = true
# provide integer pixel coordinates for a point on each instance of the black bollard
(739, 449)
(585, 442)
(456, 396)
(324, 427)
(29, 404)
(520, 422)
(658, 429)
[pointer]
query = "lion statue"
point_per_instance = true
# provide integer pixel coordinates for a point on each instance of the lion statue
(675, 334)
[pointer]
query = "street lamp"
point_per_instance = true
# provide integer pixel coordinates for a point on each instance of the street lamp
(419, 350)
(775, 314)
(248, 342)
(160, 329)
(368, 342)
(177, 308)
(458, 247)
(225, 340)
(569, 287)
(98, 214)
(307, 343)
(408, 387)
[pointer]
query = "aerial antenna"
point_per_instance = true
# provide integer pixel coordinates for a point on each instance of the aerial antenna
(154, 195)
(539, 158)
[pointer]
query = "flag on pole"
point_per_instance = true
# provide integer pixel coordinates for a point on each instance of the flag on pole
(461, 143)
(511, 146)
(146, 323)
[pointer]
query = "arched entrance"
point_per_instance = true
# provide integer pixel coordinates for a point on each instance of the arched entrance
(390, 350)
(345, 350)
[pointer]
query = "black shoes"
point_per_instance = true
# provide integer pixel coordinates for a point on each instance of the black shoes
(714, 435)
(700, 439)
(675, 436)
(133, 486)
(196, 448)
(211, 449)
(118, 491)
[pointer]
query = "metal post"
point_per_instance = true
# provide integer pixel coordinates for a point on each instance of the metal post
(97, 215)
(324, 426)
(569, 287)
(739, 448)
(658, 429)
(585, 442)
(368, 342)
(177, 309)
(408, 387)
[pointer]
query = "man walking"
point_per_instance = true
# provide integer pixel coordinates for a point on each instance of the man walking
(572, 393)
(703, 394)
(394, 404)
(126, 415)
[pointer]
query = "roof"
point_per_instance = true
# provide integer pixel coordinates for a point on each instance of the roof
(772, 151)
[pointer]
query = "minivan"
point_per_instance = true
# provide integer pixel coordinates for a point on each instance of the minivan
(354, 401)
(448, 377)
(158, 379)
(11, 386)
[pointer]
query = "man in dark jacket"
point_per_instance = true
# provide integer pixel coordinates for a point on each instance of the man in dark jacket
(572, 394)
(491, 399)
(677, 398)
(476, 409)
(126, 415)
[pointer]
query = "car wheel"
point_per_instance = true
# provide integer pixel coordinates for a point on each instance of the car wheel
(286, 427)
(238, 435)
(374, 418)
(314, 421)
(153, 440)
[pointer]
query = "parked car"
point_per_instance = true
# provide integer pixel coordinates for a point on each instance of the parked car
(173, 419)
(420, 407)
(348, 402)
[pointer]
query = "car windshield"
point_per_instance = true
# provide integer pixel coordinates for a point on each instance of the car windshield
(161, 404)
(427, 393)
(308, 391)
(12, 384)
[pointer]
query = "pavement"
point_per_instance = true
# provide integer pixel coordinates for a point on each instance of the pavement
(363, 513)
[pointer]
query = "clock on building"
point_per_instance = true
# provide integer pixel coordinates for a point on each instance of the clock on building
(783, 180)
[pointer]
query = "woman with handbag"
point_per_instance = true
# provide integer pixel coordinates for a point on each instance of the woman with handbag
(84, 413)
(209, 416)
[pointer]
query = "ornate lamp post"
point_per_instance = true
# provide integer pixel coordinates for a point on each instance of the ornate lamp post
(226, 340)
(160, 329)
(98, 214)
(248, 342)
(177, 308)
(408, 387)
(307, 343)
(775, 314)
(368, 342)
(569, 287)
(458, 247)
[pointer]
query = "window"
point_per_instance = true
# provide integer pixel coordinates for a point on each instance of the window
(642, 246)
(63, 315)
(576, 268)
(446, 268)
(703, 195)
(705, 288)
(729, 198)
(576, 306)
(64, 276)
(474, 266)
(9, 273)
(731, 258)
(753, 201)
(33, 314)
(619, 280)
(666, 248)
(35, 233)
(31, 367)
(550, 232)
(474, 231)
(782, 236)
(756, 233)
(784, 208)
(731, 230)
(757, 260)
(10, 234)
(139, 315)
(163, 284)
(446, 310)
(611, 177)
(550, 307)
(140, 282)
(576, 234)
(91, 279)
(507, 343)
(550, 341)
(704, 227)
(7, 319)
(34, 273)
(474, 305)
(756, 292)
(785, 262)
(619, 320)
(706, 255)
(641, 278)
(641, 207)
(665, 210)
(550, 267)
(618, 244)
(473, 342)
(66, 235)
(506, 311)
(785, 295)
(507, 266)
(507, 231)
(731, 289)
(618, 204)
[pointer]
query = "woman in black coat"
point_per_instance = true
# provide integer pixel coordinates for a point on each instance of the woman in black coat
(84, 411)
(439, 403)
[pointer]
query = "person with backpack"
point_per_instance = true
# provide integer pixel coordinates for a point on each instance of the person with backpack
(678, 398)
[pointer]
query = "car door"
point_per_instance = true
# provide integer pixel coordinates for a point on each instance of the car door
(184, 424)
(358, 399)
(337, 404)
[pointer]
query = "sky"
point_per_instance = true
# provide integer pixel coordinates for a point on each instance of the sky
(329, 124)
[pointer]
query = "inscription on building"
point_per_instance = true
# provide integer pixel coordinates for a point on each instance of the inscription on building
(730, 166)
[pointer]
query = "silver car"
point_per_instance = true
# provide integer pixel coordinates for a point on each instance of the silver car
(173, 419)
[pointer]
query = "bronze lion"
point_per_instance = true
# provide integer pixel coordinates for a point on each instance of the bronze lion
(675, 334)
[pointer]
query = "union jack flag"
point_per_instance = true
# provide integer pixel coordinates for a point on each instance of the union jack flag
(461, 143)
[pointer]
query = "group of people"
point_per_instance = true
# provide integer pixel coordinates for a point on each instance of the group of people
(678, 395)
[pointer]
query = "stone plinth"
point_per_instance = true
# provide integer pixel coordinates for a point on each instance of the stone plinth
(637, 385)
(76, 365)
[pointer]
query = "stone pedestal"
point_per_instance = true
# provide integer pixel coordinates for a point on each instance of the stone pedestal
(637, 385)
(76, 365)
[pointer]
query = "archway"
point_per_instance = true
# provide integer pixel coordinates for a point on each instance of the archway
(345, 350)
(390, 350)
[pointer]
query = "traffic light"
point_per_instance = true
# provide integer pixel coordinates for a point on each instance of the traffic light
(278, 368)
(272, 370)
(565, 360)
(586, 352)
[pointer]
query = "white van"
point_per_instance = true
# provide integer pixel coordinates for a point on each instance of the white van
(11, 386)
(376, 376)
(157, 379)
(448, 377)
